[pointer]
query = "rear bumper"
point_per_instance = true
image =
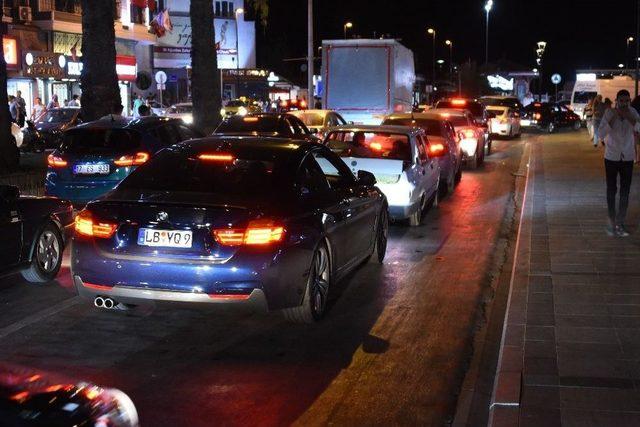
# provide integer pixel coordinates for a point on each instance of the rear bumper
(403, 212)
(77, 193)
(255, 300)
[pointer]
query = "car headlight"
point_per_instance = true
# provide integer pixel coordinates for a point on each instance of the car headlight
(223, 112)
(469, 146)
(242, 111)
(188, 119)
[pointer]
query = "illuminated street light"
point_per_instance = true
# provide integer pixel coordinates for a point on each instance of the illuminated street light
(620, 65)
(239, 11)
(433, 60)
(440, 61)
(487, 7)
(626, 57)
(535, 70)
(346, 26)
(450, 44)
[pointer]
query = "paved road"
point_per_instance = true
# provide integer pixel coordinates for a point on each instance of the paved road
(392, 350)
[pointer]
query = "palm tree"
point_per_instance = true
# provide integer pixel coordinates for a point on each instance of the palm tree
(205, 76)
(99, 79)
(8, 158)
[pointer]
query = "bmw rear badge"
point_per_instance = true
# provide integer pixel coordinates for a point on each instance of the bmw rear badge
(162, 216)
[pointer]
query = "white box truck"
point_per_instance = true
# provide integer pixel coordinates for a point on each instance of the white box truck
(367, 79)
(588, 85)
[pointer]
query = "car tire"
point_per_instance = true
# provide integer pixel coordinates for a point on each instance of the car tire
(473, 163)
(577, 126)
(382, 235)
(551, 128)
(314, 302)
(489, 147)
(416, 218)
(435, 200)
(47, 256)
(458, 176)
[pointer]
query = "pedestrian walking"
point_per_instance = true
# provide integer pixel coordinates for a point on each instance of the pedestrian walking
(137, 103)
(618, 127)
(598, 111)
(588, 116)
(14, 108)
(37, 110)
(53, 103)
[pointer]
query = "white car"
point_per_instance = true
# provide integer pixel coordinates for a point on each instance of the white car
(319, 121)
(399, 158)
(182, 111)
(506, 121)
(471, 136)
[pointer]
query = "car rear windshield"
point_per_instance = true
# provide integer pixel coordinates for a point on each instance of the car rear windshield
(249, 124)
(253, 174)
(430, 126)
(99, 141)
(58, 116)
(370, 145)
(311, 119)
(474, 108)
(496, 111)
(583, 97)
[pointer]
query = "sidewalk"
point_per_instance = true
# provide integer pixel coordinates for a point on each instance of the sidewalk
(570, 353)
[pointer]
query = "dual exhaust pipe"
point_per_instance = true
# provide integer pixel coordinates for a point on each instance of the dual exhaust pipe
(105, 302)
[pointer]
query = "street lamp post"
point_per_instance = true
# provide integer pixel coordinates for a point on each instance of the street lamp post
(487, 7)
(239, 11)
(433, 63)
(345, 27)
(450, 44)
(310, 62)
(626, 57)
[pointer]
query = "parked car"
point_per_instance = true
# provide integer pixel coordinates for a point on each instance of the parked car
(477, 110)
(549, 117)
(471, 137)
(93, 158)
(32, 398)
(319, 121)
(440, 133)
(182, 111)
(54, 122)
(34, 232)
(157, 108)
(240, 107)
(266, 124)
(399, 158)
(506, 121)
(268, 223)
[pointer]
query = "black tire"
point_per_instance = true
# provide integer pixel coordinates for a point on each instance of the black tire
(382, 235)
(473, 163)
(458, 177)
(551, 128)
(314, 302)
(577, 126)
(47, 256)
(416, 218)
(489, 147)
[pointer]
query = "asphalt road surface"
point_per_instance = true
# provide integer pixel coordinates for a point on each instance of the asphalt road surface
(393, 348)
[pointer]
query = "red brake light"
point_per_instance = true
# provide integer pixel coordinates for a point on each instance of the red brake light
(216, 157)
(469, 134)
(85, 225)
(303, 104)
(436, 148)
(458, 102)
(257, 233)
(375, 146)
(250, 119)
(537, 116)
(56, 162)
(132, 160)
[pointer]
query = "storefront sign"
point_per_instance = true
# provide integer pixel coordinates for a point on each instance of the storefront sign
(44, 65)
(126, 68)
(10, 50)
(499, 82)
(247, 73)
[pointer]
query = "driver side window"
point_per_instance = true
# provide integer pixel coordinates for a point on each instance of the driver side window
(311, 178)
(335, 171)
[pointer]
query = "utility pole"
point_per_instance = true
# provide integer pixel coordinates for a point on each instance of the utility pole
(637, 61)
(310, 100)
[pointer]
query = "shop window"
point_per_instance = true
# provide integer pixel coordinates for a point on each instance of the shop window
(225, 8)
(218, 11)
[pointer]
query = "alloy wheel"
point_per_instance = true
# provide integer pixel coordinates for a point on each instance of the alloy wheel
(48, 252)
(320, 281)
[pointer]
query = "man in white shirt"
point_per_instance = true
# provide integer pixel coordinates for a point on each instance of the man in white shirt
(618, 128)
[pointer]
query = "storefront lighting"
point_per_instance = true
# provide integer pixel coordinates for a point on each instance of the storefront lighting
(28, 59)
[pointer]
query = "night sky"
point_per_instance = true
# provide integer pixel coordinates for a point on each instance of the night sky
(580, 34)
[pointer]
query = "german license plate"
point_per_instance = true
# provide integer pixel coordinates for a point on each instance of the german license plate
(89, 169)
(164, 238)
(525, 122)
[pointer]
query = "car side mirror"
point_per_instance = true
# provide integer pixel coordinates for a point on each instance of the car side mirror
(366, 178)
(9, 192)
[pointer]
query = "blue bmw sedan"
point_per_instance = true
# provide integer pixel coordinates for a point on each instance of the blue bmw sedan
(264, 222)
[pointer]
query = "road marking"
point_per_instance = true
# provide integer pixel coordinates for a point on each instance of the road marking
(36, 317)
(493, 404)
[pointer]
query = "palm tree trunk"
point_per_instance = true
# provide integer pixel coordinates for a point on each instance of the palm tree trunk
(8, 158)
(99, 79)
(205, 77)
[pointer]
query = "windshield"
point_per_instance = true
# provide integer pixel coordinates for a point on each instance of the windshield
(58, 116)
(583, 97)
(181, 109)
(99, 141)
(430, 126)
(266, 124)
(311, 119)
(474, 108)
(253, 174)
(371, 145)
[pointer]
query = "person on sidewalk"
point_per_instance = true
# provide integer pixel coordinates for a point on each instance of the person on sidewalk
(598, 111)
(618, 128)
(588, 116)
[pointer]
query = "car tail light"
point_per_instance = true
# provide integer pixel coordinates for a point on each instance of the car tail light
(375, 146)
(257, 233)
(458, 102)
(250, 119)
(86, 225)
(467, 134)
(56, 161)
(436, 149)
(132, 160)
(303, 104)
(216, 157)
(537, 116)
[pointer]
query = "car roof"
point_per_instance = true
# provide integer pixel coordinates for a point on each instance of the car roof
(407, 130)
(234, 143)
(317, 111)
(139, 124)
